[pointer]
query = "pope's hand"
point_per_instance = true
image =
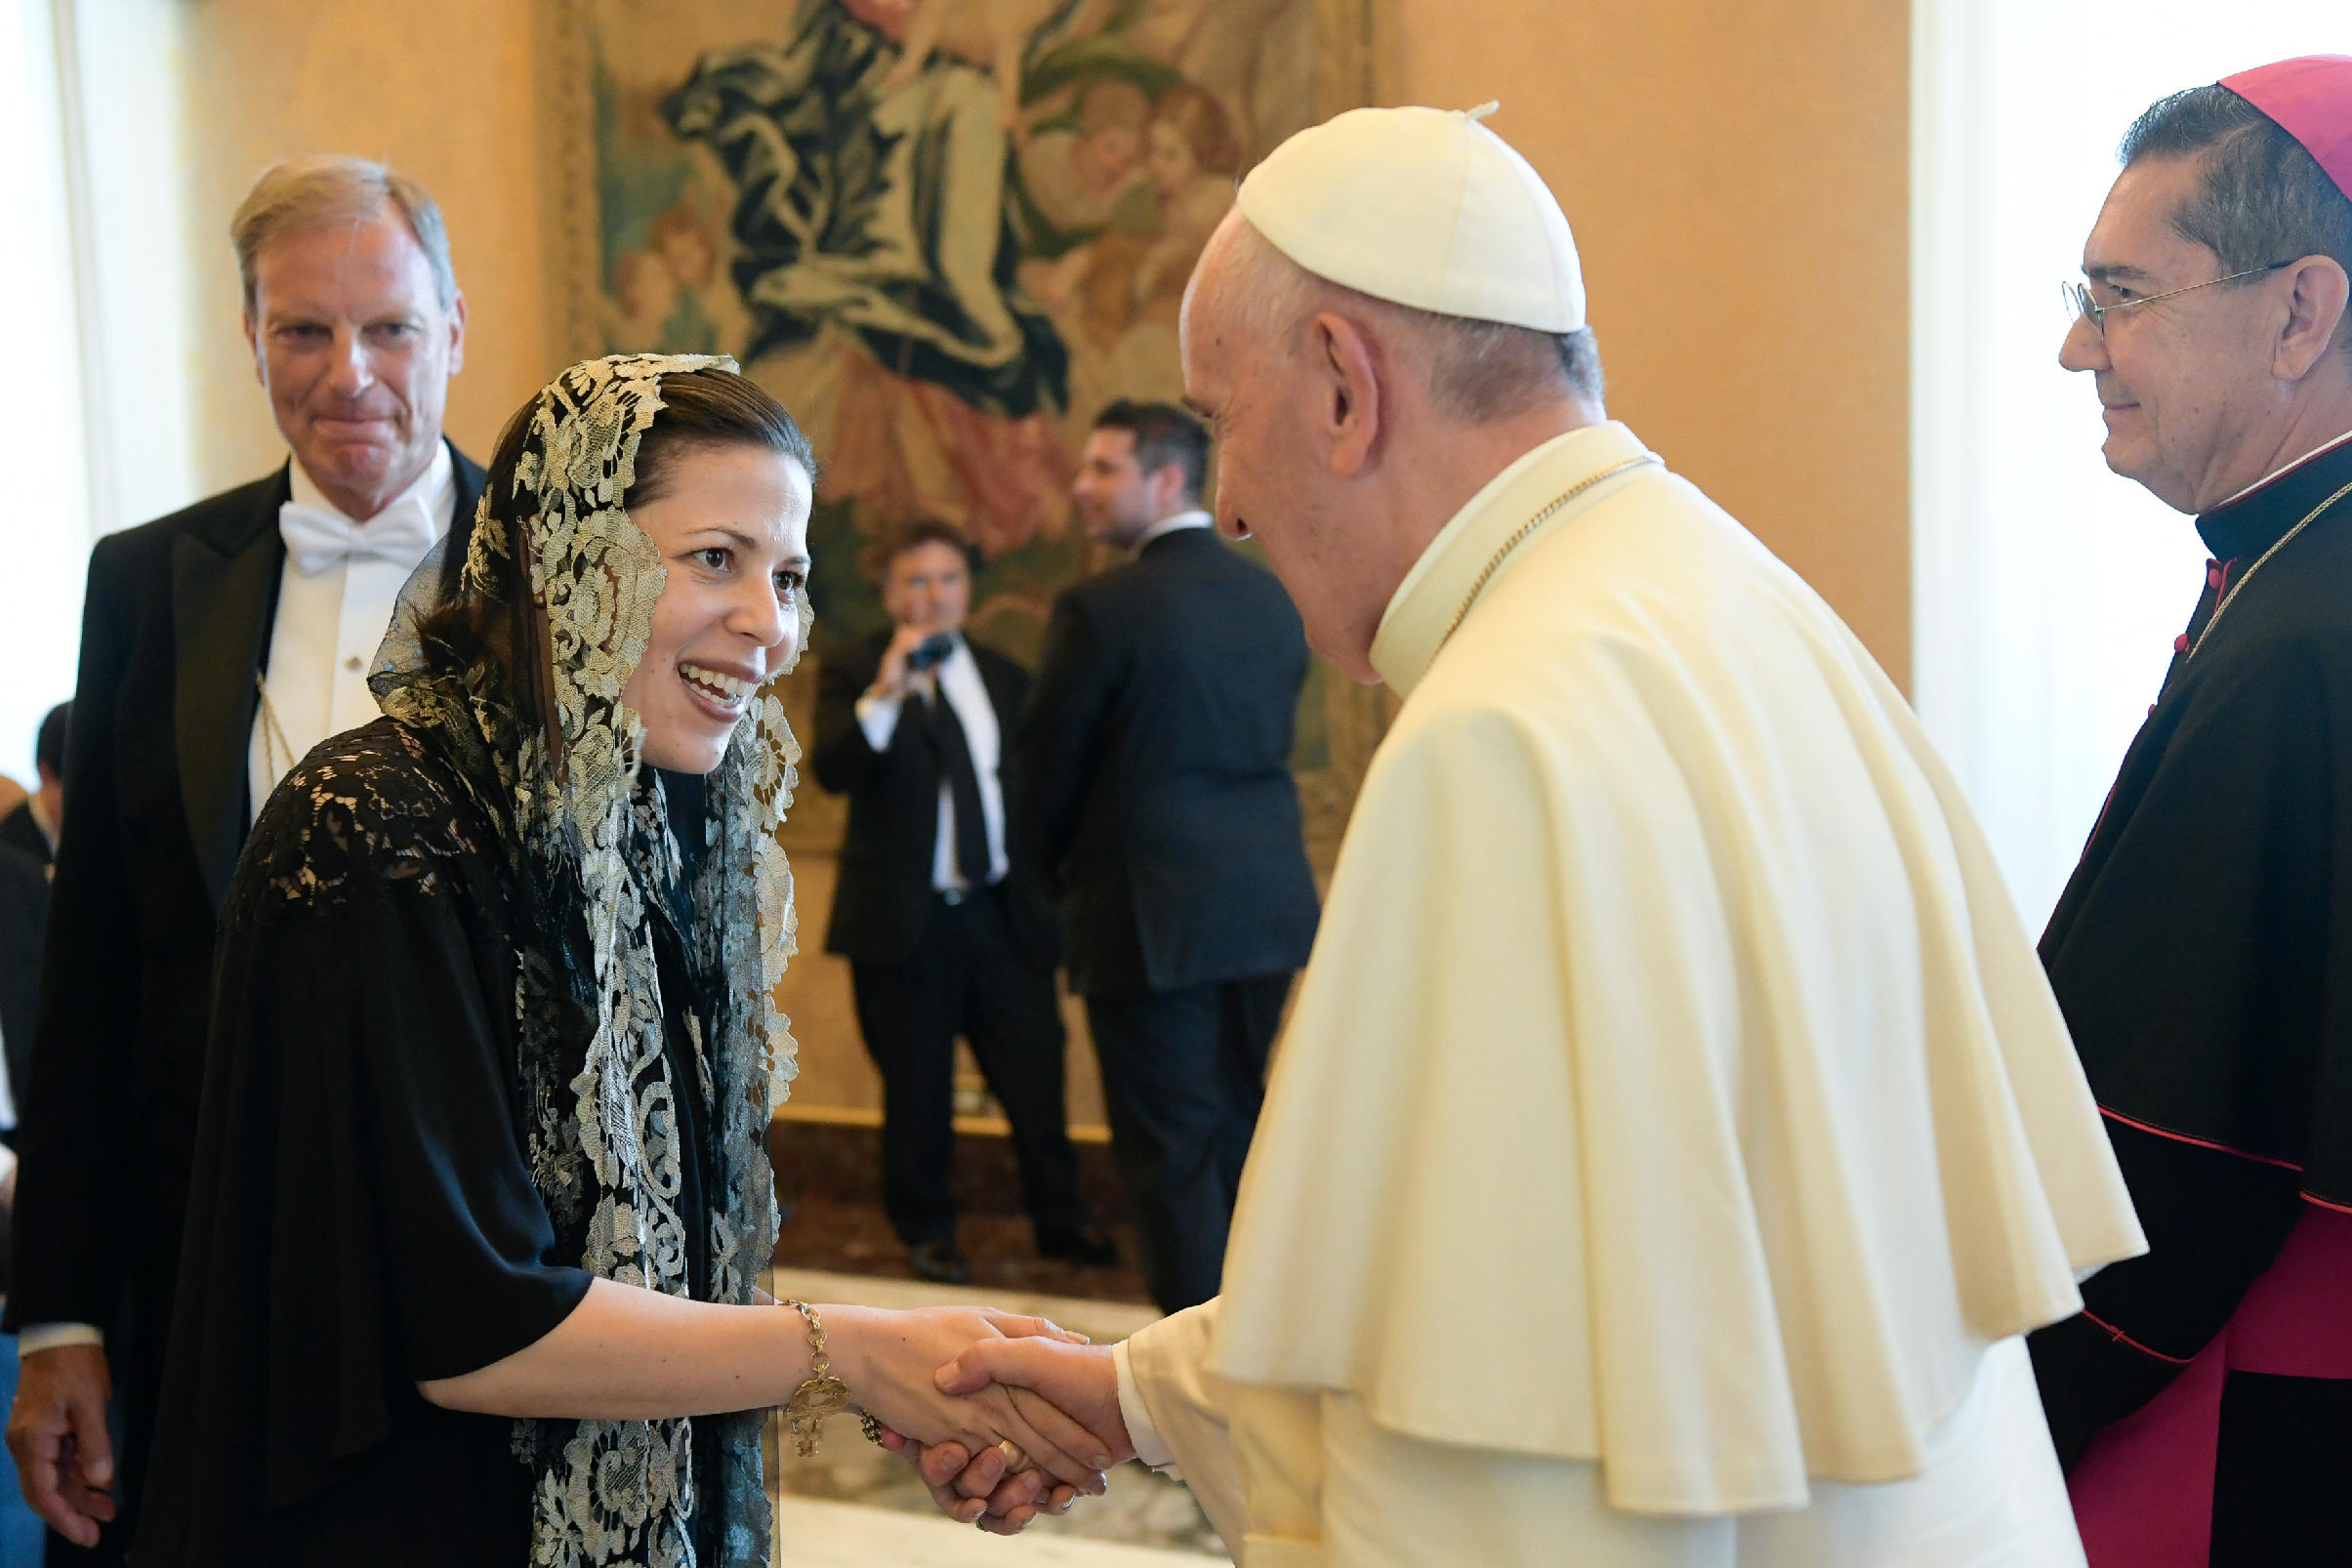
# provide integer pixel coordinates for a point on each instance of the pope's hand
(890, 1360)
(1081, 1381)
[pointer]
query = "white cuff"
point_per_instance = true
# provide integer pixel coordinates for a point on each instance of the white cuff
(8, 1162)
(878, 717)
(1150, 1447)
(35, 1338)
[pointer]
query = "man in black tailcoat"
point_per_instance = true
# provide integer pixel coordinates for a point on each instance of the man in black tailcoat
(1157, 796)
(219, 645)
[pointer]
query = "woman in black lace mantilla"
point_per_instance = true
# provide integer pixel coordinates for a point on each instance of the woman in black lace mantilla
(481, 1188)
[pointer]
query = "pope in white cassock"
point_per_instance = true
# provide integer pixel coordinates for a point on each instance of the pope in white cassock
(1675, 1133)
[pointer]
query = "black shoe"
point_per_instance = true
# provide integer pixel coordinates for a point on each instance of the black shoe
(1084, 1245)
(938, 1262)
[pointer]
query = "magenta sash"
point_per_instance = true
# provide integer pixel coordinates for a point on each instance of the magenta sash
(2143, 1495)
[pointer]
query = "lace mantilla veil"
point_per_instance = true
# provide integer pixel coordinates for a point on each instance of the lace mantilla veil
(588, 839)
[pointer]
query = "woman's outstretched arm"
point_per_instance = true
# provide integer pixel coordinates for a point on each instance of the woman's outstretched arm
(627, 1353)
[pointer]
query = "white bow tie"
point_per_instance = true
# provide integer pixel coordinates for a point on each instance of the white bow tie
(317, 538)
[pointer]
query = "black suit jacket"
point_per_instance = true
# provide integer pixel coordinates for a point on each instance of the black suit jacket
(176, 624)
(1156, 759)
(23, 909)
(884, 891)
(19, 831)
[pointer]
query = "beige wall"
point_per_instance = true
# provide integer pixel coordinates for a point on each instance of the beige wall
(1738, 178)
(440, 89)
(1736, 174)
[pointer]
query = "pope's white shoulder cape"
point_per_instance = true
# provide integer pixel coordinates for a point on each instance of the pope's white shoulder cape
(1673, 1085)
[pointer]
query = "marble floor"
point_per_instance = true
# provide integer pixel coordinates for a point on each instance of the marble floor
(814, 1534)
(853, 1503)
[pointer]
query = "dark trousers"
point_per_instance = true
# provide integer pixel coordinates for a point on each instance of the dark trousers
(968, 976)
(1183, 1074)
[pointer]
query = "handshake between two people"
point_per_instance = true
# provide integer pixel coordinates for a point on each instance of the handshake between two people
(1004, 1417)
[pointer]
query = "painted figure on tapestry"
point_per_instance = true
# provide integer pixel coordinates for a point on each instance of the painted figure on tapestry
(947, 231)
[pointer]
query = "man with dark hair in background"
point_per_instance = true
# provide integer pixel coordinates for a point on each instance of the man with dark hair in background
(219, 645)
(944, 933)
(31, 829)
(2203, 950)
(1157, 796)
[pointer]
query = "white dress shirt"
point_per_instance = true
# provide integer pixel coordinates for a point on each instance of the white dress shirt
(328, 625)
(958, 675)
(1173, 523)
(329, 622)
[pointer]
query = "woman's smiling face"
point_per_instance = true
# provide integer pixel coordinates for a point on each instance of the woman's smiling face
(732, 525)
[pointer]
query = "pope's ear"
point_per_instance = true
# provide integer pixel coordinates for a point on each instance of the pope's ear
(1351, 404)
(2316, 315)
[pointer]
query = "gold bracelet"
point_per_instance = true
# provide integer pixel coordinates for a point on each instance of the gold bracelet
(822, 1394)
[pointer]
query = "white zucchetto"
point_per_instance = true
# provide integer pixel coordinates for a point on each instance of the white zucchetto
(1421, 207)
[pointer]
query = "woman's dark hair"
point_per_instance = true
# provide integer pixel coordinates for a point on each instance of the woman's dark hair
(711, 408)
(701, 409)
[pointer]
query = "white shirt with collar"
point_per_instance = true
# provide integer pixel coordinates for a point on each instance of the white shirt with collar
(329, 621)
(957, 676)
(331, 614)
(1173, 523)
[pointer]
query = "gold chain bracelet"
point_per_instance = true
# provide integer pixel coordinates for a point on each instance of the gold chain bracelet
(821, 1394)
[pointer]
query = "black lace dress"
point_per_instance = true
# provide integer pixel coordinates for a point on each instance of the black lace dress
(362, 1214)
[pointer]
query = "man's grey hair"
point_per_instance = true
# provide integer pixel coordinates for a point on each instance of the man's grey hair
(1479, 370)
(2262, 197)
(321, 192)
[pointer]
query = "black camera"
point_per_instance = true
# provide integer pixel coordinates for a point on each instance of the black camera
(933, 649)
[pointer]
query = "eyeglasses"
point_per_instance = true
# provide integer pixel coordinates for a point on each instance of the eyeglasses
(2080, 306)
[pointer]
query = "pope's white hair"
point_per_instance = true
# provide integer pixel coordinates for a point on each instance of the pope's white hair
(1477, 371)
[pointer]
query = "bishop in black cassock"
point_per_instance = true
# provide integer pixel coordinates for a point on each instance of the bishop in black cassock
(2203, 956)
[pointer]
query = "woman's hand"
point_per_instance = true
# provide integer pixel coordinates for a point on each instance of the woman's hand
(890, 1360)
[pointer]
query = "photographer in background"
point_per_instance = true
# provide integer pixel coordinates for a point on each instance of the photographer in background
(911, 727)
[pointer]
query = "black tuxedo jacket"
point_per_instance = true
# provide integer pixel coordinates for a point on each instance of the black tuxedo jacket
(19, 831)
(1155, 756)
(24, 908)
(884, 891)
(175, 627)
